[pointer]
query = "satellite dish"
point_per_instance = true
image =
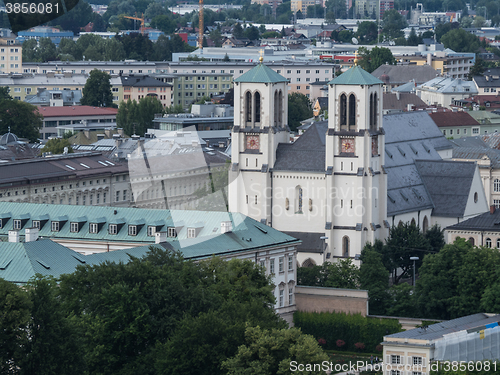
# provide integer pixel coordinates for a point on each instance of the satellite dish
(354, 41)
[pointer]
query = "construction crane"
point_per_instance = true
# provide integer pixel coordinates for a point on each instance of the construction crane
(200, 26)
(138, 19)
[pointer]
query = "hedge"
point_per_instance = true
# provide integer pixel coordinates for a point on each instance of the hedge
(351, 329)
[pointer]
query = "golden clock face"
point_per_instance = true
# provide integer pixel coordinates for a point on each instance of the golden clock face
(253, 142)
(347, 145)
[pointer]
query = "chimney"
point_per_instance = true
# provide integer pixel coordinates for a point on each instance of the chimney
(492, 211)
(13, 236)
(31, 234)
(429, 59)
(160, 237)
(397, 95)
(226, 227)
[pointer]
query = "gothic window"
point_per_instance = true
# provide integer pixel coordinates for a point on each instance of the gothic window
(352, 112)
(257, 106)
(298, 199)
(375, 111)
(425, 224)
(371, 111)
(413, 222)
(343, 112)
(345, 246)
(471, 241)
(248, 106)
(276, 108)
(280, 108)
(496, 185)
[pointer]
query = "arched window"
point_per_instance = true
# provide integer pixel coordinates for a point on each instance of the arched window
(375, 111)
(352, 112)
(343, 112)
(345, 246)
(488, 242)
(309, 263)
(280, 109)
(412, 222)
(257, 106)
(276, 108)
(496, 185)
(248, 106)
(498, 243)
(298, 199)
(371, 111)
(471, 241)
(425, 224)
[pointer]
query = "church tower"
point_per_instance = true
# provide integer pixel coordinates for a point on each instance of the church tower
(354, 160)
(260, 124)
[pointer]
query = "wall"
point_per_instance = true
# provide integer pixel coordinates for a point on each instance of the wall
(316, 299)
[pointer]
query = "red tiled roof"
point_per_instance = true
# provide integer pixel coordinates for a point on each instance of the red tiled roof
(76, 110)
(453, 119)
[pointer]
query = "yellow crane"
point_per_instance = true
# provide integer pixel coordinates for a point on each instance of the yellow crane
(138, 19)
(200, 26)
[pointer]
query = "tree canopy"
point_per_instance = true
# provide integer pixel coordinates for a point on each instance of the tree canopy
(370, 60)
(341, 274)
(23, 119)
(299, 109)
(460, 40)
(57, 145)
(97, 90)
(137, 117)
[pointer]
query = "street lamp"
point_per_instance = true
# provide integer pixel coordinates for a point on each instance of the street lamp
(414, 260)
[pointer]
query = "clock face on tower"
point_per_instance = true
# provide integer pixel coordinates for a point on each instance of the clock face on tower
(253, 142)
(347, 145)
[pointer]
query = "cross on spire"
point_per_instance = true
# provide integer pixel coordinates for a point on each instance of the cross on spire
(261, 58)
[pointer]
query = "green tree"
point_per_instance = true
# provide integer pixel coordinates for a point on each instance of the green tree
(367, 32)
(238, 31)
(299, 109)
(435, 236)
(460, 40)
(56, 146)
(30, 50)
(23, 119)
(341, 274)
(372, 59)
(97, 90)
(4, 93)
(15, 313)
(401, 301)
(479, 22)
(393, 24)
(413, 38)
(252, 33)
(477, 69)
(46, 50)
(53, 346)
(68, 50)
(274, 352)
(374, 277)
(216, 37)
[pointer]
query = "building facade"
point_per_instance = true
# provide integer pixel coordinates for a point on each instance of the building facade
(11, 53)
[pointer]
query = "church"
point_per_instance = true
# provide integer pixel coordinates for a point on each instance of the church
(328, 188)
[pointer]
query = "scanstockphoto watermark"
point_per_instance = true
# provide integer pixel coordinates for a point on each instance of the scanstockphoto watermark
(352, 367)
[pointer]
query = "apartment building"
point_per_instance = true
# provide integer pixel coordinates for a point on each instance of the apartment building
(11, 53)
(302, 5)
(138, 87)
(448, 65)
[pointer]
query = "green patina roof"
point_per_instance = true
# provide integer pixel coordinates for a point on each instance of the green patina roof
(261, 74)
(356, 76)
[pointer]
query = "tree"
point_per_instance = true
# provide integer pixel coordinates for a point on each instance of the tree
(56, 146)
(46, 50)
(393, 24)
(238, 31)
(342, 274)
(477, 69)
(4, 93)
(275, 352)
(371, 60)
(23, 119)
(435, 236)
(299, 108)
(252, 33)
(401, 301)
(15, 312)
(367, 32)
(97, 90)
(374, 277)
(404, 241)
(413, 38)
(30, 50)
(460, 40)
(479, 22)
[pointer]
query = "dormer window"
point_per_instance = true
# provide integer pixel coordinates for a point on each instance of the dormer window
(36, 224)
(113, 229)
(17, 224)
(132, 230)
(151, 231)
(54, 226)
(171, 232)
(93, 228)
(191, 233)
(74, 227)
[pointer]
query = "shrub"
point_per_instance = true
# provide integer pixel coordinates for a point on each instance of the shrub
(359, 346)
(340, 343)
(379, 348)
(321, 342)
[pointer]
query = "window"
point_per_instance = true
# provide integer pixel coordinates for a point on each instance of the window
(345, 246)
(17, 224)
(94, 228)
(117, 195)
(151, 231)
(496, 202)
(496, 185)
(417, 360)
(395, 359)
(488, 242)
(498, 243)
(54, 226)
(124, 195)
(191, 233)
(171, 232)
(132, 230)
(290, 296)
(74, 227)
(474, 131)
(271, 266)
(36, 224)
(451, 131)
(282, 297)
(290, 263)
(281, 264)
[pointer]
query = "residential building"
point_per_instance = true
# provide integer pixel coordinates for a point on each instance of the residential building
(89, 118)
(114, 234)
(454, 65)
(11, 53)
(457, 124)
(22, 85)
(53, 98)
(367, 8)
(221, 118)
(489, 83)
(397, 75)
(480, 102)
(79, 179)
(302, 5)
(385, 5)
(445, 91)
(401, 102)
(461, 340)
(54, 34)
(272, 3)
(139, 87)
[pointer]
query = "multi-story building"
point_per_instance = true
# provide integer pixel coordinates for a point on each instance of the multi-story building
(188, 88)
(455, 65)
(21, 85)
(59, 116)
(38, 32)
(302, 5)
(445, 91)
(272, 3)
(11, 53)
(367, 8)
(86, 179)
(139, 87)
(385, 5)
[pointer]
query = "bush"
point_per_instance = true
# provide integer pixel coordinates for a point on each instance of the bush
(359, 346)
(321, 342)
(353, 328)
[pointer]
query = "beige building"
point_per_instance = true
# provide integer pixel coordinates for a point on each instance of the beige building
(11, 53)
(302, 5)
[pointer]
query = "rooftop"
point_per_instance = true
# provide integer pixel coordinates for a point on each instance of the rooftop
(77, 110)
(356, 76)
(261, 74)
